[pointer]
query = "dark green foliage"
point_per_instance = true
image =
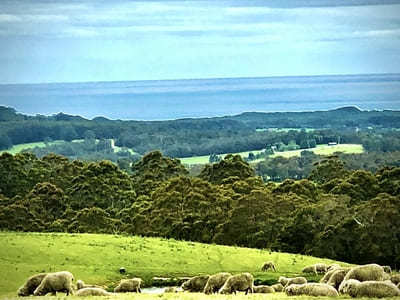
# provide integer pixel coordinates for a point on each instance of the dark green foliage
(337, 213)
(231, 165)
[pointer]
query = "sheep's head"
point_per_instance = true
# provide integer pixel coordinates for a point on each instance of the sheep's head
(186, 285)
(80, 284)
(23, 291)
(348, 286)
(289, 290)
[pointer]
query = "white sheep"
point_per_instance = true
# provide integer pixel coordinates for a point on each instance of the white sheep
(129, 285)
(311, 289)
(215, 282)
(288, 281)
(366, 273)
(278, 287)
(239, 282)
(92, 291)
(56, 282)
(373, 289)
(263, 289)
(31, 284)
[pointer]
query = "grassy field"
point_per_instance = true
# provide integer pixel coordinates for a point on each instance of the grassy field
(96, 258)
(18, 148)
(320, 149)
(201, 160)
(324, 150)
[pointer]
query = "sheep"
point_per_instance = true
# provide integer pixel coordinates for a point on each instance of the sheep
(215, 282)
(129, 285)
(171, 289)
(195, 284)
(55, 282)
(268, 265)
(278, 287)
(316, 268)
(263, 289)
(327, 276)
(92, 291)
(81, 285)
(31, 284)
(387, 269)
(288, 281)
(373, 289)
(395, 278)
(310, 269)
(321, 268)
(337, 277)
(333, 266)
(311, 289)
(239, 282)
(365, 273)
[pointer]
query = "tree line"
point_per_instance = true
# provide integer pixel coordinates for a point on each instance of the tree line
(376, 130)
(336, 212)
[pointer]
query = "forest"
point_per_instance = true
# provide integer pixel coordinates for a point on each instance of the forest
(336, 212)
(375, 130)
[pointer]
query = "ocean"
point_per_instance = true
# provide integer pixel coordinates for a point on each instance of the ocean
(173, 99)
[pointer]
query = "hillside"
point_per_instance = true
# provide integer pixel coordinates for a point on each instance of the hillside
(97, 258)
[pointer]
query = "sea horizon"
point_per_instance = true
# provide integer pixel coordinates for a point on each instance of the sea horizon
(210, 97)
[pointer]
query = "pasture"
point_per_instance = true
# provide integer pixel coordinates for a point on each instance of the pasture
(320, 150)
(96, 258)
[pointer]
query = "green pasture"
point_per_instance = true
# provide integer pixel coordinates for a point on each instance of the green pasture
(324, 150)
(96, 258)
(201, 160)
(320, 149)
(18, 148)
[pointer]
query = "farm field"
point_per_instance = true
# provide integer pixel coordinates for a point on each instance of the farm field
(324, 150)
(320, 149)
(96, 258)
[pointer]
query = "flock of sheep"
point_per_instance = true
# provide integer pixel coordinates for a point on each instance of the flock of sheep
(370, 280)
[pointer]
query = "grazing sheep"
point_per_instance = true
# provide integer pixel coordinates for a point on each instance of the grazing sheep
(278, 287)
(311, 289)
(195, 284)
(268, 265)
(263, 289)
(387, 269)
(321, 268)
(171, 289)
(310, 269)
(55, 282)
(215, 282)
(129, 285)
(288, 281)
(333, 266)
(327, 276)
(373, 289)
(316, 268)
(337, 277)
(395, 278)
(31, 284)
(92, 291)
(366, 273)
(81, 285)
(239, 282)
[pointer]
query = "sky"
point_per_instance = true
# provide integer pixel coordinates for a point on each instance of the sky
(87, 40)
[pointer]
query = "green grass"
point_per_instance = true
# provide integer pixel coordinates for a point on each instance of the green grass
(18, 148)
(274, 129)
(201, 160)
(320, 149)
(324, 150)
(96, 258)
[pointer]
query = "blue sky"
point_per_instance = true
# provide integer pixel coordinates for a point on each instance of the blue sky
(72, 41)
